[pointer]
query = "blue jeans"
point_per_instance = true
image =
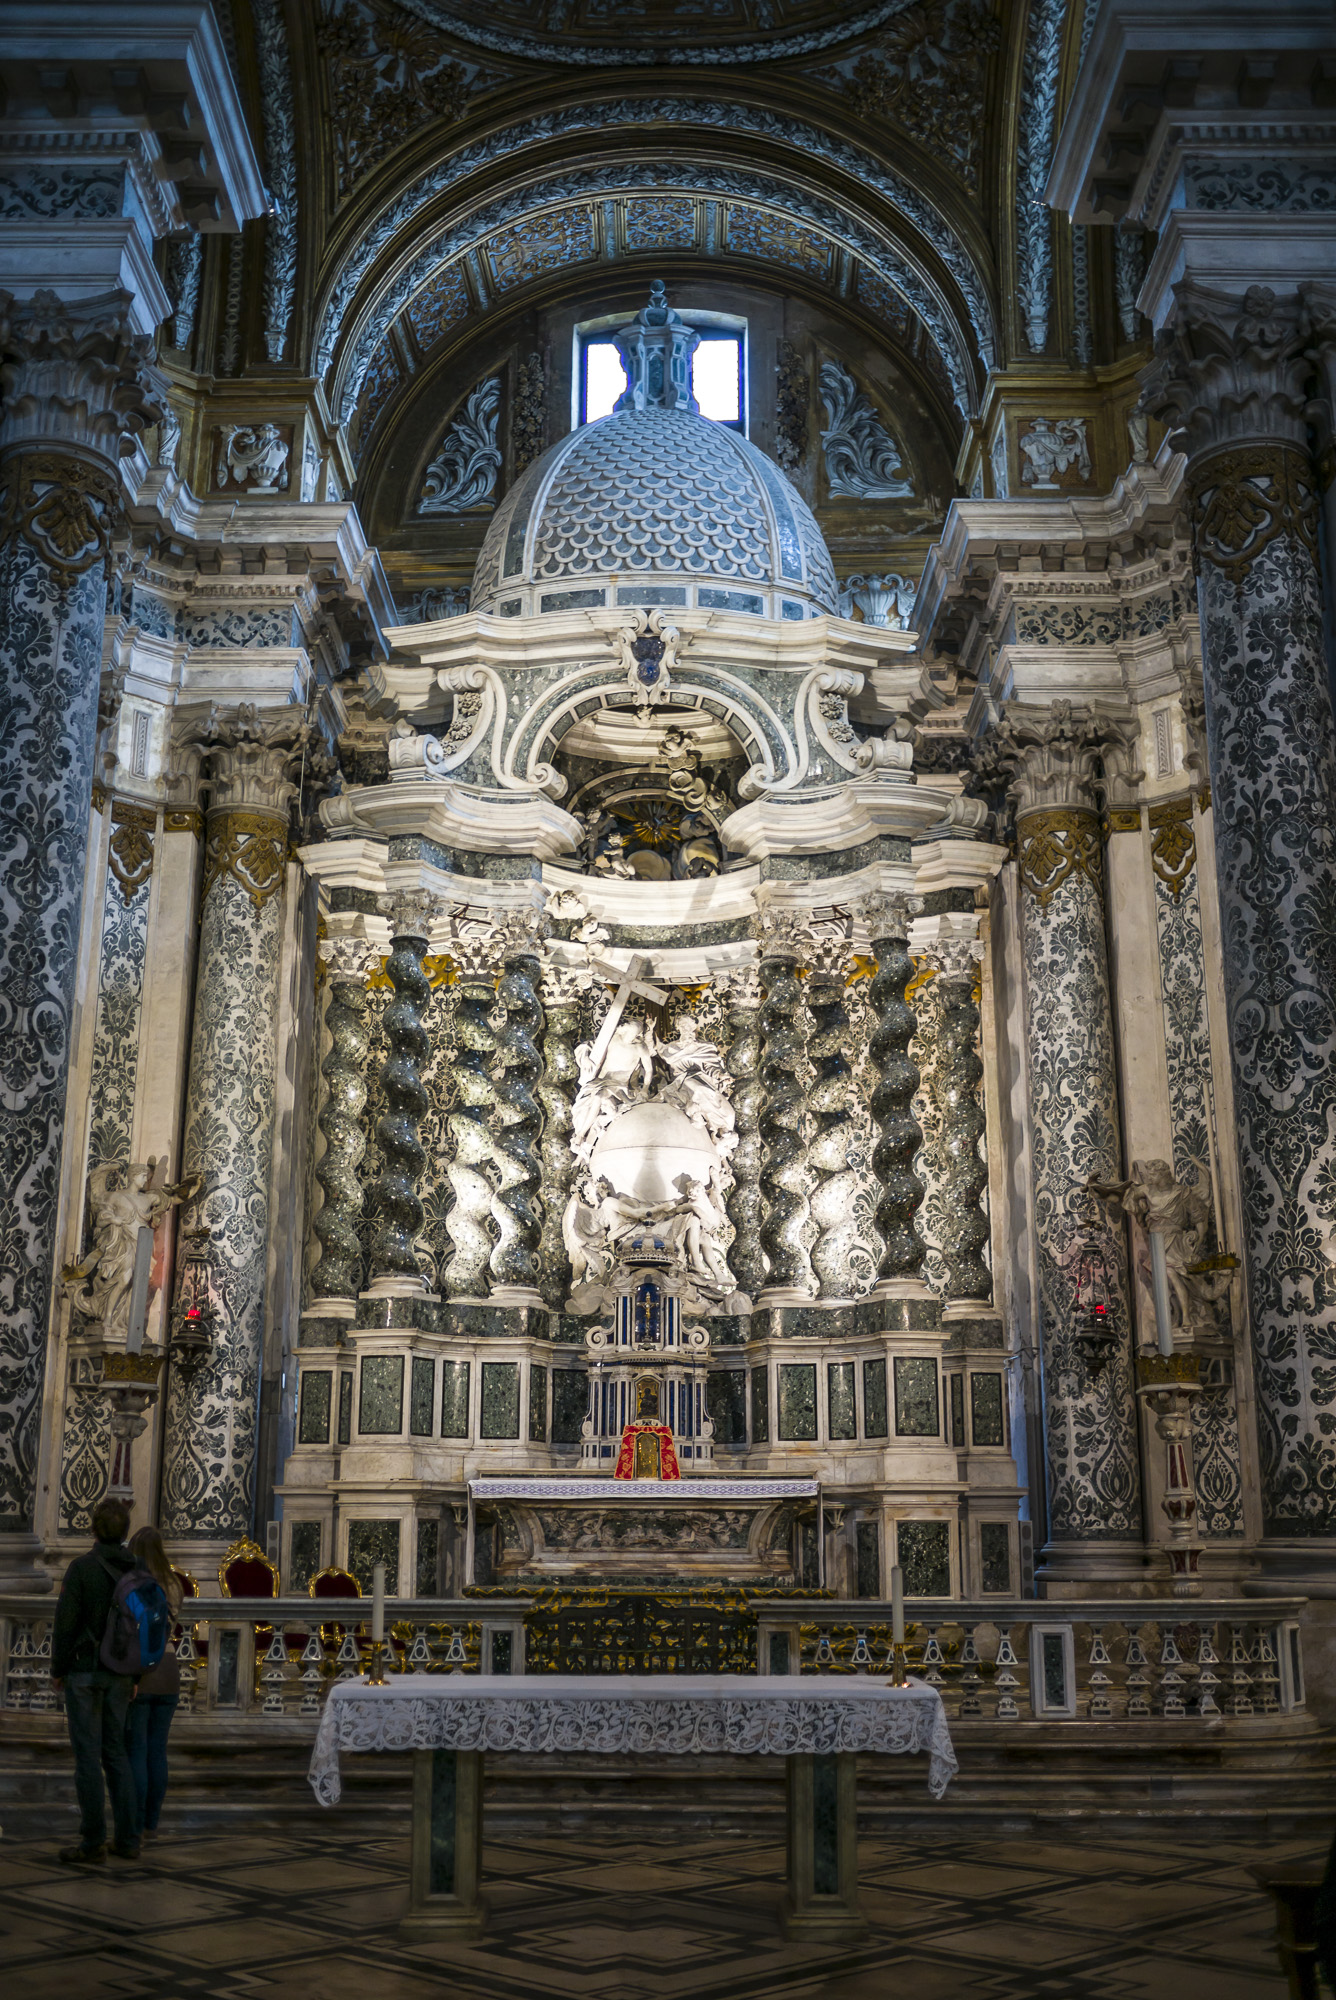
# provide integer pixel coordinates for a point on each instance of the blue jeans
(96, 1704)
(146, 1730)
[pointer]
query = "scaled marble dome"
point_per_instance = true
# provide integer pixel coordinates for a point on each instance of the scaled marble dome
(654, 506)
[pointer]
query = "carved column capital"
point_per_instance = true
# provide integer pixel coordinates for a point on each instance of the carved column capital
(1049, 758)
(1230, 370)
(76, 375)
(409, 913)
(888, 916)
(251, 753)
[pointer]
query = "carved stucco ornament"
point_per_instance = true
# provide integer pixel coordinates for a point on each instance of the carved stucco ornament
(862, 459)
(463, 473)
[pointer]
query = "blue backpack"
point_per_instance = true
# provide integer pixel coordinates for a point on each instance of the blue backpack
(138, 1624)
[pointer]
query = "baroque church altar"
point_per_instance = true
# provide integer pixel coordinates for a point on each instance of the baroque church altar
(646, 999)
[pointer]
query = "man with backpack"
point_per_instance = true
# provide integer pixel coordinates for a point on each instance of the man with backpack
(111, 1626)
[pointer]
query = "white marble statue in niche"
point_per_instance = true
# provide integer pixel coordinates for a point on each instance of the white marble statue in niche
(653, 1154)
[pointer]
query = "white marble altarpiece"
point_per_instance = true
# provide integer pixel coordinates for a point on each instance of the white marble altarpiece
(648, 1019)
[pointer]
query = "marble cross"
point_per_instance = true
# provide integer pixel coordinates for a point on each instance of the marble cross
(630, 981)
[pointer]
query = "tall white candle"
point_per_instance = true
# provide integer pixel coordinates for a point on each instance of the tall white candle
(897, 1606)
(378, 1604)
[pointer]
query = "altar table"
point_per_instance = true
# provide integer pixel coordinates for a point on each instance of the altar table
(818, 1723)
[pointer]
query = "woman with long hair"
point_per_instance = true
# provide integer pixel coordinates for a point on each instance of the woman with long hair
(150, 1718)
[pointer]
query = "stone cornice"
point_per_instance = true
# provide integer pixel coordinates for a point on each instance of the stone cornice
(985, 535)
(192, 100)
(1126, 81)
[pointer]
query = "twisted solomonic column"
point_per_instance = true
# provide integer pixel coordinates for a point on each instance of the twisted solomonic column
(899, 1136)
(337, 1277)
(833, 1130)
(395, 1203)
(517, 1117)
(77, 381)
(469, 1224)
(563, 992)
(786, 1227)
(957, 1076)
(1050, 759)
(1234, 374)
(742, 1060)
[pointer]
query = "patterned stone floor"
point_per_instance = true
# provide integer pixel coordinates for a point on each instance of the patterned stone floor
(307, 1909)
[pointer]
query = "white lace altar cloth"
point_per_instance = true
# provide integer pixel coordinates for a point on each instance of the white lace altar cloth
(621, 1714)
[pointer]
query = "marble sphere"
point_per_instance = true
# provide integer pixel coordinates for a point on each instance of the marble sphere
(647, 1146)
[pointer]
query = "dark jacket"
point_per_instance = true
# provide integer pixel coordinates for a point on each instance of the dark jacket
(85, 1599)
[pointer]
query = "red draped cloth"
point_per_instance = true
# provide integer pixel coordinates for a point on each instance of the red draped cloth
(626, 1457)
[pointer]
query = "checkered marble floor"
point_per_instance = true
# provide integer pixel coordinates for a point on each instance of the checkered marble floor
(308, 1910)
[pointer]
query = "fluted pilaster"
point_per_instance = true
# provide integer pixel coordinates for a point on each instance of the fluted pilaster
(395, 1202)
(784, 1176)
(742, 1060)
(517, 1118)
(899, 1135)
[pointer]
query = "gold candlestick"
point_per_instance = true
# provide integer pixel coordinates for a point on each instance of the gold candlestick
(899, 1678)
(376, 1673)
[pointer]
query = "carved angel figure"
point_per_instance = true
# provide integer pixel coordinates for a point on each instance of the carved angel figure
(1180, 1213)
(124, 1201)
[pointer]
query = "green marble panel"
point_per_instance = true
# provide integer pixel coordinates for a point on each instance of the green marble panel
(986, 1409)
(500, 1399)
(345, 1408)
(380, 1412)
(958, 1410)
(760, 1405)
(303, 1555)
(874, 1400)
(867, 1548)
(995, 1557)
(537, 1405)
(454, 1399)
(316, 1391)
(570, 1401)
(422, 1395)
(841, 1408)
(372, 1542)
(797, 1401)
(428, 1555)
(444, 1793)
(825, 1826)
(726, 1401)
(925, 1557)
(916, 1413)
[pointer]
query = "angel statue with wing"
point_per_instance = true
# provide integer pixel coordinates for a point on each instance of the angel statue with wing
(124, 1201)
